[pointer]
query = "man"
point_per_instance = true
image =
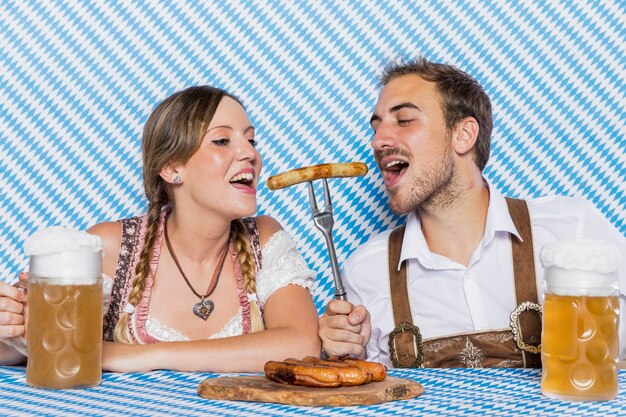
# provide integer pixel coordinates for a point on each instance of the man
(469, 256)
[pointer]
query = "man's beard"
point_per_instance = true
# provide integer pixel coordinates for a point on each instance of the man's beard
(435, 187)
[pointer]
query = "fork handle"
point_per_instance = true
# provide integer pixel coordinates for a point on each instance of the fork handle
(340, 291)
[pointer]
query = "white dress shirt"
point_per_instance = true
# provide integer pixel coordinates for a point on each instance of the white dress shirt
(448, 298)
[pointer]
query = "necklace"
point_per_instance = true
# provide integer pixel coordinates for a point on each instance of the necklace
(204, 307)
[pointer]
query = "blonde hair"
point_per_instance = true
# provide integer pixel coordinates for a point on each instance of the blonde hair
(241, 241)
(172, 134)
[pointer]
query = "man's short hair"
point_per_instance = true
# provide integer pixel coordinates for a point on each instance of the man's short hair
(461, 96)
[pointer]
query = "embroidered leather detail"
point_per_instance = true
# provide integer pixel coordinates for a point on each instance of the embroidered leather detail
(471, 356)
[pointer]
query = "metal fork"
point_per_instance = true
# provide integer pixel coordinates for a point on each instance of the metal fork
(324, 222)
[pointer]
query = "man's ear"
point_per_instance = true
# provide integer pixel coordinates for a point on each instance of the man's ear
(465, 135)
(172, 174)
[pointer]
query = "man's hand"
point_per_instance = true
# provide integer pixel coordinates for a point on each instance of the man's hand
(345, 329)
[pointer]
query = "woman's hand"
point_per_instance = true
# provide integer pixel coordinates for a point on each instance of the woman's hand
(13, 318)
(13, 309)
(122, 357)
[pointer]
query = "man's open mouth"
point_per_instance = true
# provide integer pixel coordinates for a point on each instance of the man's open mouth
(393, 168)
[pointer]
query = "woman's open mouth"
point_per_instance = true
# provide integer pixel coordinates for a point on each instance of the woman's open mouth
(244, 181)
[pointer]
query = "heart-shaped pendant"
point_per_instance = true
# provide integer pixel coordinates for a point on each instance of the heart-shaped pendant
(203, 309)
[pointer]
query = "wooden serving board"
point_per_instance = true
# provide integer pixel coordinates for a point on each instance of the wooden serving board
(261, 389)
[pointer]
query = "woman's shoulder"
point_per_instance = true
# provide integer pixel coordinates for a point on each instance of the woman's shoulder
(109, 232)
(282, 262)
(111, 235)
(267, 227)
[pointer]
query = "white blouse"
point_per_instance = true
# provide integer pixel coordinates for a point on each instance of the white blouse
(282, 265)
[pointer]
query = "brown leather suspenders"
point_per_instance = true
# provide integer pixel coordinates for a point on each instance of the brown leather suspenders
(526, 327)
(405, 341)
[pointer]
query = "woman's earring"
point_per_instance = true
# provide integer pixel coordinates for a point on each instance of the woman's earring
(178, 179)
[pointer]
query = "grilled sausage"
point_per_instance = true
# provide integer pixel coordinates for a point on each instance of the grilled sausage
(302, 374)
(314, 172)
(350, 374)
(315, 372)
(378, 371)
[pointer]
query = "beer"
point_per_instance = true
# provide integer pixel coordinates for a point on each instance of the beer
(64, 327)
(64, 335)
(579, 347)
(580, 337)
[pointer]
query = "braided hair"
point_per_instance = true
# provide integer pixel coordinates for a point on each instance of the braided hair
(241, 242)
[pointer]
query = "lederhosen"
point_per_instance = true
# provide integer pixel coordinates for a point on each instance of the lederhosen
(518, 347)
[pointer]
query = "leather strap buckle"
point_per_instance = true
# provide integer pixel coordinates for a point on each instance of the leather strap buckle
(515, 325)
(404, 361)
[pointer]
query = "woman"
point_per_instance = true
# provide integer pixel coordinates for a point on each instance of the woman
(227, 293)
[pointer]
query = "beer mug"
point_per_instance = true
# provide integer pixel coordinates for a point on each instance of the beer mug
(580, 338)
(64, 329)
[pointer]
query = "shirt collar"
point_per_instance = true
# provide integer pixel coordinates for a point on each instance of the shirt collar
(498, 216)
(414, 244)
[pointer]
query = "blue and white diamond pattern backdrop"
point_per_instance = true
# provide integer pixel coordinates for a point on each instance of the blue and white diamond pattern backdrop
(79, 78)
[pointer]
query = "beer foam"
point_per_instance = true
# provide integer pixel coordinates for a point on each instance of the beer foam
(580, 267)
(65, 255)
(581, 254)
(59, 239)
